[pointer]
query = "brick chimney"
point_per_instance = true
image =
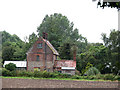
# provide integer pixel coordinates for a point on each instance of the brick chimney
(45, 35)
(74, 55)
(45, 59)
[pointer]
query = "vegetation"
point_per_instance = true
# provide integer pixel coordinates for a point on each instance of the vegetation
(13, 48)
(105, 57)
(56, 75)
(10, 66)
(61, 34)
(108, 3)
(92, 71)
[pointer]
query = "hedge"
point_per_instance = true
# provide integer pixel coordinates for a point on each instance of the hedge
(45, 74)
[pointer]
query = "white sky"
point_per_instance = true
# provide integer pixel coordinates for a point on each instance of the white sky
(22, 17)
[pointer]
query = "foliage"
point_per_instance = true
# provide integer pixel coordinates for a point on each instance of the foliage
(108, 3)
(67, 40)
(0, 71)
(109, 77)
(88, 66)
(25, 73)
(10, 66)
(5, 72)
(44, 74)
(92, 71)
(61, 34)
(106, 58)
(7, 53)
(12, 47)
(112, 43)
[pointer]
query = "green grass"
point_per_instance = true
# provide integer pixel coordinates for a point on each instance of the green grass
(56, 78)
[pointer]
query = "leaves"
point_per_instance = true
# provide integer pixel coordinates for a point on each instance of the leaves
(12, 47)
(61, 34)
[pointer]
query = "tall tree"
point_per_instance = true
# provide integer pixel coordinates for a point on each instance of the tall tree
(113, 49)
(60, 33)
(12, 47)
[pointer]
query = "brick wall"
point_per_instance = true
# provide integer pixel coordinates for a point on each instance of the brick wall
(32, 57)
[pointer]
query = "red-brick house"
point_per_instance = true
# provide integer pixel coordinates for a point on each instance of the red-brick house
(43, 55)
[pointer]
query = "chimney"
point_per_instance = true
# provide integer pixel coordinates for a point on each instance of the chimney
(45, 35)
(74, 55)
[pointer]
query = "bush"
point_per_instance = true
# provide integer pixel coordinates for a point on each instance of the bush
(75, 77)
(109, 77)
(5, 72)
(0, 71)
(45, 74)
(10, 66)
(77, 72)
(38, 74)
(54, 75)
(92, 71)
(29, 74)
(117, 78)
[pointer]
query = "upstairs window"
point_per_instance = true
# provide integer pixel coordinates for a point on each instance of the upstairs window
(39, 45)
(37, 58)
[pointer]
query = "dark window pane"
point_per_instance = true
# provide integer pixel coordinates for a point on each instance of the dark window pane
(39, 45)
(38, 58)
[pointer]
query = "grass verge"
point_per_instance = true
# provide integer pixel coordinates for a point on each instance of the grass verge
(57, 79)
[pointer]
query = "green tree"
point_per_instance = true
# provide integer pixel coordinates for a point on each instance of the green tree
(60, 33)
(10, 66)
(13, 48)
(7, 53)
(32, 38)
(112, 43)
(96, 54)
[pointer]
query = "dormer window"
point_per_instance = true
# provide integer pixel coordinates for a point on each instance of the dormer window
(39, 45)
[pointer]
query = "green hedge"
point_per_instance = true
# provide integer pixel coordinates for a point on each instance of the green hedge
(45, 74)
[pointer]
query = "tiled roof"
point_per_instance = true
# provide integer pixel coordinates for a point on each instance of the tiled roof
(65, 63)
(51, 47)
(18, 63)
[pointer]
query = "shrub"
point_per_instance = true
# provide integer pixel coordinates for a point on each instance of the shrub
(54, 75)
(5, 72)
(109, 77)
(12, 73)
(29, 74)
(117, 78)
(38, 74)
(77, 72)
(0, 71)
(45, 74)
(10, 66)
(88, 66)
(92, 71)
(75, 77)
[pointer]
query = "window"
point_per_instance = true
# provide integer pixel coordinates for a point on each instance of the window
(39, 45)
(37, 58)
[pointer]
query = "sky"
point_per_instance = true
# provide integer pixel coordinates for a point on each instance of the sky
(22, 17)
